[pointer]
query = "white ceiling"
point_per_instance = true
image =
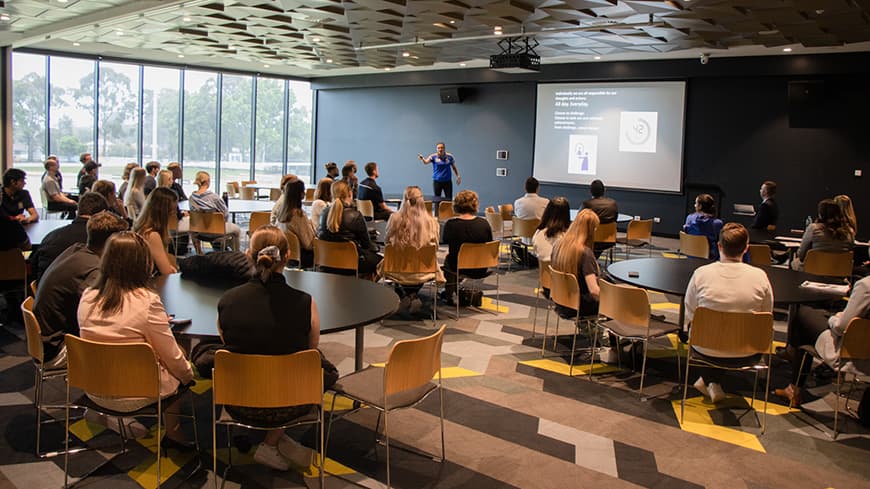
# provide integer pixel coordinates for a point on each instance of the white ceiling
(314, 38)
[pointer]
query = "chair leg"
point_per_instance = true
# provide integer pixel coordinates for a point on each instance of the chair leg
(159, 437)
(643, 366)
(387, 443)
(592, 355)
(685, 386)
(214, 443)
(537, 303)
(37, 401)
(322, 465)
(766, 395)
(441, 414)
(66, 441)
(837, 400)
(574, 345)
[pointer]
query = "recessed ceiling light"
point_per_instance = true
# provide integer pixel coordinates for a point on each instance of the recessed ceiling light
(4, 17)
(120, 33)
(76, 44)
(598, 57)
(498, 27)
(452, 21)
(61, 1)
(186, 19)
(387, 69)
(406, 54)
(329, 60)
(497, 33)
(461, 64)
(180, 55)
(786, 50)
(265, 66)
(315, 39)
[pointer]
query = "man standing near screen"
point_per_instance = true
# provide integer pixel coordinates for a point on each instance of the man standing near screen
(442, 162)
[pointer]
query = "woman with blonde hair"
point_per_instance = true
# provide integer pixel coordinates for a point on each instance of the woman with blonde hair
(153, 225)
(164, 178)
(342, 222)
(292, 219)
(574, 254)
(322, 198)
(203, 199)
(845, 204)
(126, 178)
(134, 198)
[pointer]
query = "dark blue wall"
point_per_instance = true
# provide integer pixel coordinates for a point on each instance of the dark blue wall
(737, 131)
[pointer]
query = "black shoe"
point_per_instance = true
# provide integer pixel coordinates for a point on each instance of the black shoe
(182, 446)
(446, 298)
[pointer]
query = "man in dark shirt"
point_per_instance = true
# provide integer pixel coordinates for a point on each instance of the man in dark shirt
(88, 176)
(14, 201)
(57, 241)
(331, 170)
(57, 297)
(369, 190)
(603, 206)
(152, 168)
(768, 211)
(84, 158)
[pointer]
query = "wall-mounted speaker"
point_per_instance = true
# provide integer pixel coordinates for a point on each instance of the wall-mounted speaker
(451, 95)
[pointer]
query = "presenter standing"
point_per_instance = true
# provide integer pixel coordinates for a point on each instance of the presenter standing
(442, 162)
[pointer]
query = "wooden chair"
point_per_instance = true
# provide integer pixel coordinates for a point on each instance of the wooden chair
(829, 264)
(403, 382)
(695, 246)
(759, 255)
(605, 238)
(627, 313)
(477, 255)
(13, 267)
(366, 208)
(232, 190)
(748, 335)
(258, 219)
(428, 204)
(309, 194)
(445, 210)
(45, 212)
(33, 286)
(543, 283)
(399, 262)
(248, 193)
(245, 183)
(496, 223)
(209, 226)
(336, 254)
(637, 235)
(523, 229)
(294, 248)
(507, 212)
(267, 381)
(92, 366)
(565, 291)
(275, 194)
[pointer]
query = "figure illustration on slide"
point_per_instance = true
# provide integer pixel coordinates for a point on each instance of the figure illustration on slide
(582, 154)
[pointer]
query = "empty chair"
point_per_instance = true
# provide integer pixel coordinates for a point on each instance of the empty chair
(694, 245)
(293, 249)
(496, 223)
(445, 210)
(366, 208)
(336, 255)
(637, 235)
(245, 183)
(605, 238)
(248, 193)
(309, 194)
(13, 267)
(258, 218)
(428, 204)
(759, 255)
(828, 264)
(275, 194)
(522, 231)
(232, 189)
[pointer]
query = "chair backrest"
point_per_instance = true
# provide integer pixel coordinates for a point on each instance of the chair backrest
(741, 333)
(856, 340)
(623, 303)
(639, 229)
(524, 228)
(477, 255)
(232, 189)
(828, 263)
(93, 367)
(413, 363)
(245, 183)
(248, 193)
(335, 254)
(13, 267)
(406, 259)
(428, 204)
(693, 245)
(544, 274)
(258, 218)
(445, 210)
(366, 208)
(207, 222)
(33, 286)
(293, 246)
(759, 255)
(275, 194)
(564, 289)
(309, 194)
(267, 381)
(33, 331)
(495, 222)
(506, 211)
(606, 233)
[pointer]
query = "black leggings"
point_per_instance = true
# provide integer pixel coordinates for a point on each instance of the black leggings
(447, 186)
(804, 329)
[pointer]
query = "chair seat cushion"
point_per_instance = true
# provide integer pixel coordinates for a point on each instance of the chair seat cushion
(632, 242)
(367, 386)
(729, 362)
(269, 417)
(626, 330)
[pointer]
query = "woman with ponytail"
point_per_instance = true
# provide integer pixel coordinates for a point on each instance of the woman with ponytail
(342, 222)
(268, 317)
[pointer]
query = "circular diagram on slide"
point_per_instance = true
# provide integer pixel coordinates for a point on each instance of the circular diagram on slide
(639, 132)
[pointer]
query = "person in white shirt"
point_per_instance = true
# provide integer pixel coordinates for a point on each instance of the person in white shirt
(728, 285)
(531, 205)
(555, 221)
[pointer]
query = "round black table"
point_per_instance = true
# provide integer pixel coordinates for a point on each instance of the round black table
(367, 303)
(36, 231)
(671, 276)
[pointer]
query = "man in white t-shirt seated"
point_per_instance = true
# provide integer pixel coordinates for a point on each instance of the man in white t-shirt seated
(531, 205)
(728, 285)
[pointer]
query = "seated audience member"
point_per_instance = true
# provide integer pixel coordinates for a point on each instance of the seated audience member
(126, 178)
(152, 168)
(88, 177)
(555, 221)
(57, 241)
(164, 179)
(768, 211)
(134, 196)
(203, 199)
(574, 254)
(848, 212)
(331, 171)
(266, 316)
(728, 285)
(62, 284)
(177, 174)
(322, 198)
(703, 222)
(531, 205)
(813, 327)
(121, 308)
(16, 210)
(342, 222)
(84, 159)
(279, 204)
(52, 186)
(152, 225)
(369, 190)
(292, 219)
(604, 207)
(348, 176)
(413, 227)
(830, 232)
(465, 227)
(106, 188)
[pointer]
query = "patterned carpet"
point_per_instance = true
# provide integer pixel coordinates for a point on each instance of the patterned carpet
(513, 419)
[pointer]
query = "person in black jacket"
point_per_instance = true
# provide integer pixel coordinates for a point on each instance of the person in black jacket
(768, 211)
(342, 222)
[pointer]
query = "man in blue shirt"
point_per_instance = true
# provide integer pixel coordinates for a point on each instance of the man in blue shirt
(442, 162)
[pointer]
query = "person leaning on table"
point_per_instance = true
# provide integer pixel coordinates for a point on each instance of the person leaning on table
(830, 233)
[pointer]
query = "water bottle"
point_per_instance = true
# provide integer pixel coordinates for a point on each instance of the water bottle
(226, 198)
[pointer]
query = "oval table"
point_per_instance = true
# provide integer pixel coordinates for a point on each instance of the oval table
(37, 231)
(368, 303)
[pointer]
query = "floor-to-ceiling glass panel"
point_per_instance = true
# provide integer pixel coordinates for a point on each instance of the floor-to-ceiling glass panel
(270, 131)
(200, 131)
(28, 118)
(299, 134)
(236, 129)
(72, 113)
(160, 114)
(118, 135)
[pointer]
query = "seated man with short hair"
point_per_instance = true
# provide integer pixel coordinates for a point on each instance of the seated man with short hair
(16, 209)
(52, 188)
(369, 190)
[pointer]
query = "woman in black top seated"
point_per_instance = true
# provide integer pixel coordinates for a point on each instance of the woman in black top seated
(342, 222)
(268, 317)
(574, 254)
(466, 227)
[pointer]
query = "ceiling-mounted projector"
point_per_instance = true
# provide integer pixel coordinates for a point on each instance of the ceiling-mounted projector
(517, 56)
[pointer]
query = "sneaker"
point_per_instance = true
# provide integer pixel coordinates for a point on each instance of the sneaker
(716, 392)
(701, 387)
(609, 355)
(270, 457)
(298, 454)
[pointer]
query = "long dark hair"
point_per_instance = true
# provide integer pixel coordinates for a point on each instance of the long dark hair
(557, 217)
(831, 216)
(125, 266)
(160, 206)
(294, 194)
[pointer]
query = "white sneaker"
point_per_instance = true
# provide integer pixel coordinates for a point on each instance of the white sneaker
(716, 392)
(270, 457)
(609, 355)
(701, 387)
(298, 454)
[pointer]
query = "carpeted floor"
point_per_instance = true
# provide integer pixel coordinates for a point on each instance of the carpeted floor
(513, 419)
